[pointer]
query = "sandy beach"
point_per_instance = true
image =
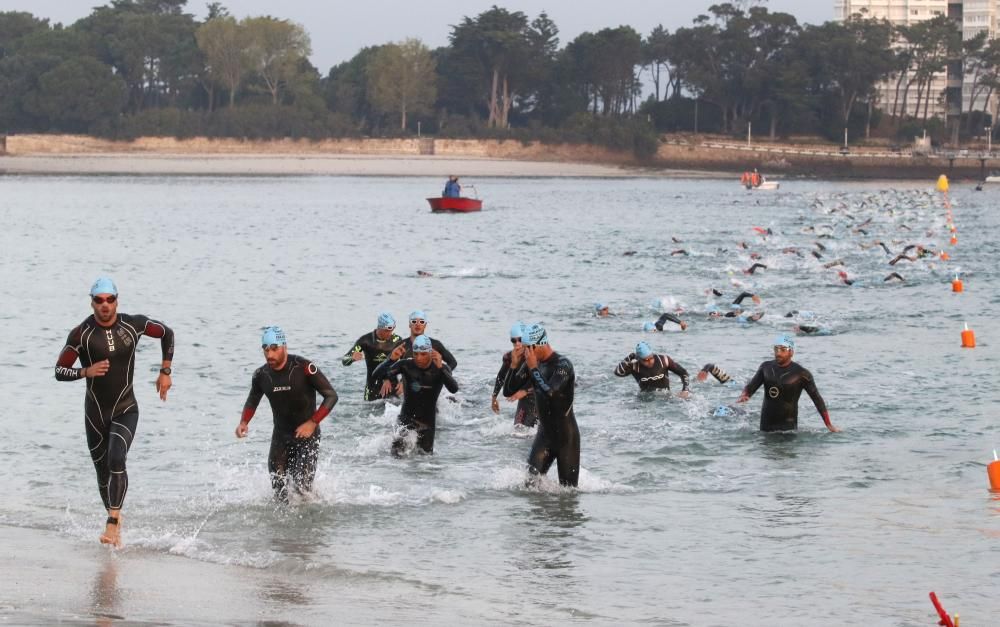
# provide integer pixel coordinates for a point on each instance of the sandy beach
(313, 165)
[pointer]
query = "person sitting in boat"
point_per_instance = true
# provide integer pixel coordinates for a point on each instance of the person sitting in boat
(452, 189)
(756, 179)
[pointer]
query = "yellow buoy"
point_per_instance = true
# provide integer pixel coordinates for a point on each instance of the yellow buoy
(942, 184)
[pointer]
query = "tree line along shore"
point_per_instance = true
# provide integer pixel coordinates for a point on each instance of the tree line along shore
(149, 68)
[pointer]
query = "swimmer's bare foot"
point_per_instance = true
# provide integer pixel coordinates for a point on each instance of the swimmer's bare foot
(112, 532)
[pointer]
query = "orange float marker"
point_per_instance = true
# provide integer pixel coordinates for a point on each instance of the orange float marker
(956, 285)
(954, 239)
(993, 470)
(945, 256)
(968, 337)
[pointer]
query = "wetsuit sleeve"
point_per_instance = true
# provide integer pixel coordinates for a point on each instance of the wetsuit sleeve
(557, 382)
(253, 399)
(625, 366)
(156, 329)
(739, 299)
(755, 383)
(663, 320)
(501, 374)
(809, 385)
(349, 355)
(721, 375)
(449, 380)
(516, 380)
(64, 365)
(321, 384)
(387, 370)
(447, 356)
(678, 370)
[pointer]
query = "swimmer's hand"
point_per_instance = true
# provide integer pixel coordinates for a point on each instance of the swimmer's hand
(516, 355)
(516, 396)
(397, 353)
(495, 405)
(744, 397)
(685, 394)
(530, 359)
(833, 429)
(163, 385)
(306, 429)
(242, 429)
(386, 388)
(98, 369)
(684, 326)
(358, 356)
(436, 358)
(702, 375)
(399, 389)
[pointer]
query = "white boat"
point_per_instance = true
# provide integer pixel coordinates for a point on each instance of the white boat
(766, 185)
(992, 179)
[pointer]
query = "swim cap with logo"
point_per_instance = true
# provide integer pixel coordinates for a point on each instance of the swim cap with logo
(422, 344)
(386, 321)
(418, 315)
(785, 340)
(273, 335)
(103, 285)
(534, 335)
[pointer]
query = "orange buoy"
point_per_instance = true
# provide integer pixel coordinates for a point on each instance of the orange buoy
(952, 228)
(957, 286)
(993, 471)
(945, 256)
(954, 240)
(968, 338)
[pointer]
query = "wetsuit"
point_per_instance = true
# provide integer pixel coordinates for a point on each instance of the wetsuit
(720, 375)
(375, 351)
(783, 386)
(558, 436)
(664, 318)
(421, 389)
(111, 410)
(653, 377)
(527, 411)
(436, 345)
(292, 394)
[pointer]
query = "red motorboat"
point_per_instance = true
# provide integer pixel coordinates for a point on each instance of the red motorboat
(455, 205)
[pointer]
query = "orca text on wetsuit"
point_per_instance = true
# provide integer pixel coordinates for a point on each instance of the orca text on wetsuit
(558, 436)
(421, 388)
(111, 409)
(652, 377)
(292, 393)
(375, 351)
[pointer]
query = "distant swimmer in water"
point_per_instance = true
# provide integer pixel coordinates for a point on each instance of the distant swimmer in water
(675, 240)
(844, 279)
(711, 369)
(374, 348)
(834, 263)
(679, 251)
(900, 257)
(424, 274)
(650, 370)
(784, 380)
(754, 268)
(894, 276)
(290, 384)
(628, 253)
(601, 310)
(662, 320)
(527, 412)
(554, 381)
(106, 343)
(423, 374)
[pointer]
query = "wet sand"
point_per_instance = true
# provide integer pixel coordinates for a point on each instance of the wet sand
(308, 165)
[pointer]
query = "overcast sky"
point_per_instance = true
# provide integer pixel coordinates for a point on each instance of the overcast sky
(339, 29)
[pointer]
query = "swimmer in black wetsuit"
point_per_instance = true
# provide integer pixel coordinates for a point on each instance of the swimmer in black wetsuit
(664, 318)
(650, 370)
(784, 381)
(553, 380)
(527, 412)
(105, 344)
(418, 326)
(423, 376)
(374, 348)
(290, 384)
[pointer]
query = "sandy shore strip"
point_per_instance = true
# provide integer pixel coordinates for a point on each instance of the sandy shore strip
(50, 578)
(317, 165)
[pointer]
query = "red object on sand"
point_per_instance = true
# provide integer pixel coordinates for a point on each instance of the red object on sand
(455, 205)
(945, 619)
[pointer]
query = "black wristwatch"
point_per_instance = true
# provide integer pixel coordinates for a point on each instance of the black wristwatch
(165, 371)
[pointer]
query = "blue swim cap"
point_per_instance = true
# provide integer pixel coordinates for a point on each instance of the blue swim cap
(735, 306)
(534, 335)
(723, 411)
(273, 335)
(713, 308)
(386, 321)
(785, 340)
(103, 285)
(648, 327)
(642, 350)
(517, 330)
(599, 306)
(418, 315)
(422, 344)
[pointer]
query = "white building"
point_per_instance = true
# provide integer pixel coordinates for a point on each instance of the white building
(975, 16)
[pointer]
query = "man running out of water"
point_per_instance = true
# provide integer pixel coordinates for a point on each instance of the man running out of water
(553, 381)
(423, 376)
(783, 382)
(526, 413)
(374, 348)
(418, 326)
(105, 344)
(290, 384)
(650, 370)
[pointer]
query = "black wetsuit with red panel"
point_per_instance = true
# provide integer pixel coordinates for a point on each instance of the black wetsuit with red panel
(110, 409)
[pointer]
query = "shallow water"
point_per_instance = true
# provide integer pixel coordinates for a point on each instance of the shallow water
(681, 518)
